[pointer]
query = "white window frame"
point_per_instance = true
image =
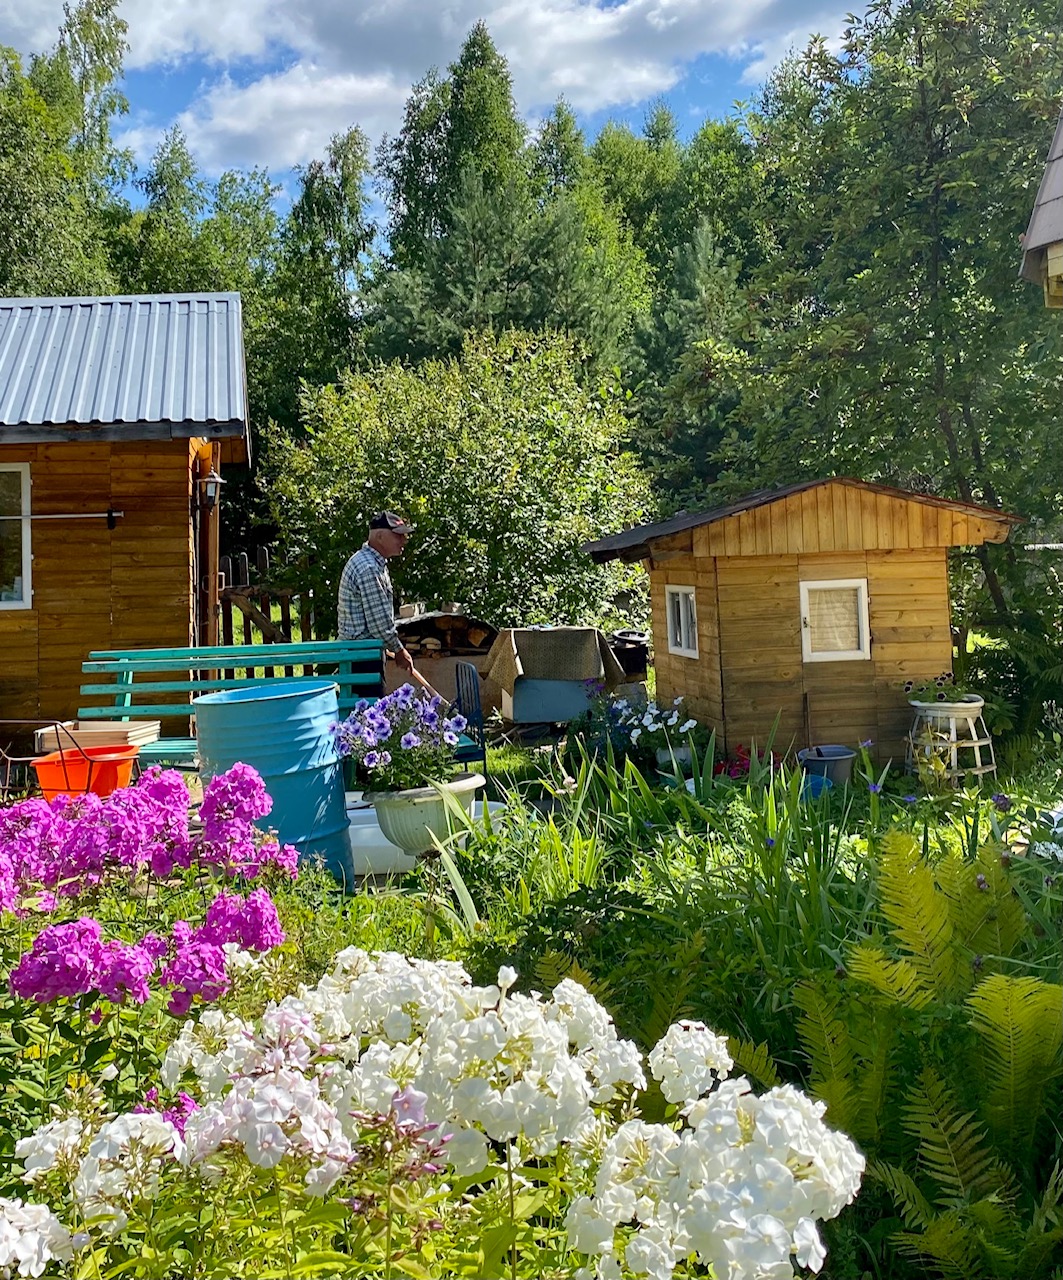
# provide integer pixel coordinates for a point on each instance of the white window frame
(863, 653)
(23, 469)
(681, 645)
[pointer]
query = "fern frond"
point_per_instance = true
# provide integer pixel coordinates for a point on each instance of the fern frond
(1020, 1023)
(947, 1241)
(899, 980)
(672, 986)
(914, 1207)
(1045, 1231)
(952, 1147)
(832, 1056)
(753, 1060)
(553, 966)
(919, 917)
(987, 917)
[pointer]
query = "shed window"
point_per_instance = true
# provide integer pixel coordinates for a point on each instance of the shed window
(682, 621)
(834, 620)
(14, 535)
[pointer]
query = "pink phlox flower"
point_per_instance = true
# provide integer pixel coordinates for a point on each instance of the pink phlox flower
(65, 960)
(124, 971)
(238, 795)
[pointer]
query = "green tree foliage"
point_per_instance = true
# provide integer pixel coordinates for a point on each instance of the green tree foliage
(57, 161)
(309, 333)
(467, 121)
(507, 263)
(506, 464)
(642, 181)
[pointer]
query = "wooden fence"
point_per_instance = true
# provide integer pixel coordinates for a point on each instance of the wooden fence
(259, 613)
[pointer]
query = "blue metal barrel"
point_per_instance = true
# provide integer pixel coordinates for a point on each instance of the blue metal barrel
(282, 730)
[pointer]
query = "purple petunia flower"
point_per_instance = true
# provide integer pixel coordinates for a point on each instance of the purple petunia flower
(409, 740)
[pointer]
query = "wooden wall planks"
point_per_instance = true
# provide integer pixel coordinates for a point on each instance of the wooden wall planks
(94, 587)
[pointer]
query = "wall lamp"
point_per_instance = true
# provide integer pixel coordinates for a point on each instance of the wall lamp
(212, 483)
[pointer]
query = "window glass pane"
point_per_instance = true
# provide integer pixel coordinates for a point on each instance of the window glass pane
(675, 619)
(690, 625)
(834, 620)
(10, 536)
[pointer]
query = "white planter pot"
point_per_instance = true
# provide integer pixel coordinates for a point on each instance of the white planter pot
(410, 819)
(970, 704)
(681, 755)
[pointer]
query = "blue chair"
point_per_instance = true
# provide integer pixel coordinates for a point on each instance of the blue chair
(472, 745)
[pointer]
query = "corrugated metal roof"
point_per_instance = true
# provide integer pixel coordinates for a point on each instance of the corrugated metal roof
(174, 359)
(1046, 221)
(633, 544)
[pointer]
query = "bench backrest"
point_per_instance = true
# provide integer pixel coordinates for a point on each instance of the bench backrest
(134, 681)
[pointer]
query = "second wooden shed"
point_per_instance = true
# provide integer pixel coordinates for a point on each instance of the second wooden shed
(812, 603)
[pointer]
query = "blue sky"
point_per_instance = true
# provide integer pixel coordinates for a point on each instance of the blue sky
(267, 82)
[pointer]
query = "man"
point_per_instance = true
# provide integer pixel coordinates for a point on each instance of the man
(366, 598)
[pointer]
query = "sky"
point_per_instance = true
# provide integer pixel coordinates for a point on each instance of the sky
(266, 83)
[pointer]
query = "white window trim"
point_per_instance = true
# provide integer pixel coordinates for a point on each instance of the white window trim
(23, 468)
(670, 592)
(863, 654)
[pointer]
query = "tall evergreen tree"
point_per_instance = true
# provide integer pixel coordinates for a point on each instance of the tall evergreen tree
(467, 122)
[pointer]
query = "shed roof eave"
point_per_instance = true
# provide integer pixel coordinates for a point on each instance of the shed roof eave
(116, 433)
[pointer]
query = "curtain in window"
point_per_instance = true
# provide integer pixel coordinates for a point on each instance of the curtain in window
(834, 619)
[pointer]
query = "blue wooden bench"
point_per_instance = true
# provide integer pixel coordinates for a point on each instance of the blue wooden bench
(141, 684)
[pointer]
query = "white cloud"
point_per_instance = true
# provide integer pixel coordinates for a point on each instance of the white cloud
(283, 119)
(280, 77)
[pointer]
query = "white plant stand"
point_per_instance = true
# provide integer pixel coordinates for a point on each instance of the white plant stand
(955, 730)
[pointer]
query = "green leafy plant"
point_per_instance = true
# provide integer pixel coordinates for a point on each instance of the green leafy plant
(944, 1058)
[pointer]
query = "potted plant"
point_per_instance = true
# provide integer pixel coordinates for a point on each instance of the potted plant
(403, 749)
(656, 732)
(943, 697)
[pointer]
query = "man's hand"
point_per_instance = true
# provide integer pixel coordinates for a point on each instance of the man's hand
(403, 659)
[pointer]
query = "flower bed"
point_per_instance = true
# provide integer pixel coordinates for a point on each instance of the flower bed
(204, 1121)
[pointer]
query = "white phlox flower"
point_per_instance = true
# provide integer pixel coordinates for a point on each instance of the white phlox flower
(49, 1145)
(31, 1237)
(688, 1061)
(124, 1164)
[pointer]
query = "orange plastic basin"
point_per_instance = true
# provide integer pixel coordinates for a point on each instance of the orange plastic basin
(72, 772)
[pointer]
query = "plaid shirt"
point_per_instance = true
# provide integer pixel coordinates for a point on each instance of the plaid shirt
(367, 600)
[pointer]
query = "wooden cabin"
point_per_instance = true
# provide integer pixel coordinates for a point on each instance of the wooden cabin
(116, 415)
(1042, 245)
(813, 603)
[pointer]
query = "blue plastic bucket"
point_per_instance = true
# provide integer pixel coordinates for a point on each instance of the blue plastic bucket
(814, 785)
(283, 731)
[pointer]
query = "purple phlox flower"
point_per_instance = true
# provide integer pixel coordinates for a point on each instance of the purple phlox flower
(409, 740)
(65, 961)
(178, 1115)
(408, 1107)
(237, 796)
(124, 971)
(252, 922)
(198, 968)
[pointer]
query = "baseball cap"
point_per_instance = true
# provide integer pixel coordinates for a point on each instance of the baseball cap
(389, 520)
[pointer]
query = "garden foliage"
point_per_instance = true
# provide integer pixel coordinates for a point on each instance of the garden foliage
(503, 461)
